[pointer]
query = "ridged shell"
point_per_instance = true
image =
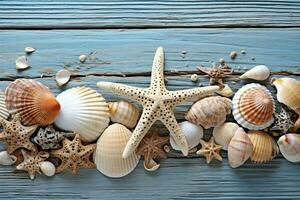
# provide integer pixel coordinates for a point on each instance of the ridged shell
(33, 101)
(47, 168)
(3, 110)
(264, 147)
(253, 107)
(108, 154)
(240, 149)
(209, 112)
(224, 133)
(124, 113)
(289, 146)
(192, 132)
(259, 73)
(83, 111)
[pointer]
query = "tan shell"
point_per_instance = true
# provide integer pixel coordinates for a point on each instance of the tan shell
(209, 112)
(124, 113)
(264, 147)
(4, 113)
(226, 91)
(259, 73)
(108, 154)
(289, 146)
(224, 133)
(240, 149)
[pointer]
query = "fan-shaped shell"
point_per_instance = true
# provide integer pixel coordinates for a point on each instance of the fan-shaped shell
(224, 133)
(289, 146)
(108, 155)
(264, 147)
(209, 112)
(253, 107)
(259, 73)
(33, 101)
(3, 110)
(83, 111)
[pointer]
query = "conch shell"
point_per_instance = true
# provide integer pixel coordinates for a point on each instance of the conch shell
(259, 73)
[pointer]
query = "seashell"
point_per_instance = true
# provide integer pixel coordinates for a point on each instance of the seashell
(3, 110)
(233, 55)
(47, 168)
(33, 101)
(224, 133)
(84, 111)
(62, 77)
(6, 159)
(29, 50)
(264, 147)
(253, 107)
(259, 73)
(153, 166)
(282, 122)
(209, 112)
(124, 113)
(108, 154)
(194, 77)
(289, 146)
(82, 58)
(192, 133)
(22, 63)
(226, 91)
(240, 148)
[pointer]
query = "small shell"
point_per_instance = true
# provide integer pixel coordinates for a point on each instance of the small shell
(22, 63)
(289, 146)
(153, 166)
(226, 91)
(4, 113)
(240, 148)
(62, 77)
(259, 73)
(124, 113)
(209, 112)
(47, 168)
(82, 58)
(233, 55)
(6, 159)
(264, 147)
(253, 107)
(29, 50)
(194, 77)
(192, 133)
(224, 133)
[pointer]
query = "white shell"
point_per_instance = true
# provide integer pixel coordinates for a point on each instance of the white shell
(153, 166)
(48, 168)
(259, 73)
(62, 77)
(194, 77)
(4, 113)
(82, 58)
(6, 159)
(192, 132)
(289, 146)
(83, 111)
(29, 49)
(226, 91)
(22, 63)
(224, 133)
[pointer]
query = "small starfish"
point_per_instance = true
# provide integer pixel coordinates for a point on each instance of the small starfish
(158, 104)
(210, 150)
(282, 121)
(216, 74)
(74, 155)
(31, 163)
(15, 135)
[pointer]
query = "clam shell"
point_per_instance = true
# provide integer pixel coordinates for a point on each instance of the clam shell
(124, 113)
(33, 101)
(264, 147)
(259, 73)
(226, 91)
(6, 159)
(240, 148)
(22, 63)
(3, 110)
(209, 112)
(192, 132)
(289, 146)
(83, 111)
(253, 107)
(62, 77)
(47, 168)
(224, 133)
(108, 154)
(29, 50)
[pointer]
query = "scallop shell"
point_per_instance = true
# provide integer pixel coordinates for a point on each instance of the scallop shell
(6, 159)
(62, 77)
(33, 101)
(240, 148)
(124, 113)
(83, 111)
(108, 154)
(253, 107)
(224, 133)
(47, 168)
(209, 112)
(3, 110)
(259, 73)
(22, 63)
(289, 146)
(192, 133)
(264, 147)
(226, 91)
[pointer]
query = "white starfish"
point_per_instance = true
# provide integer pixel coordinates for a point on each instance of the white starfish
(158, 104)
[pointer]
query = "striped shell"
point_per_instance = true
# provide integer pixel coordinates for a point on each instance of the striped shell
(33, 101)
(209, 112)
(253, 107)
(224, 133)
(289, 146)
(3, 110)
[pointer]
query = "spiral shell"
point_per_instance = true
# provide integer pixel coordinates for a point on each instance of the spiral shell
(289, 146)
(3, 110)
(259, 73)
(224, 133)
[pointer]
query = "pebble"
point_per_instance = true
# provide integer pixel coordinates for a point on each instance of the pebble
(194, 77)
(233, 55)
(222, 61)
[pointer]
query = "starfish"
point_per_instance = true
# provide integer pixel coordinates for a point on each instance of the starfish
(16, 135)
(158, 104)
(210, 150)
(74, 155)
(216, 74)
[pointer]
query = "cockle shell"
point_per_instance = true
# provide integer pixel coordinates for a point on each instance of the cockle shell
(264, 146)
(124, 113)
(3, 110)
(108, 155)
(209, 112)
(22, 63)
(62, 77)
(224, 133)
(289, 146)
(6, 159)
(253, 107)
(259, 73)
(47, 168)
(33, 101)
(240, 148)
(84, 111)
(192, 132)
(226, 91)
